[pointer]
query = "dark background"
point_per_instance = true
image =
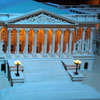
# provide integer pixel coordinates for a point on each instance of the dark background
(72, 2)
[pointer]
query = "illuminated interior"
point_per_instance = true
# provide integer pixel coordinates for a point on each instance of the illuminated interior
(41, 39)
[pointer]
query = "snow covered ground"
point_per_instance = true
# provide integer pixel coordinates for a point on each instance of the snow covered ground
(47, 80)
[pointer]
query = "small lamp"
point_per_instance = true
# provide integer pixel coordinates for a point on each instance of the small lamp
(77, 62)
(17, 63)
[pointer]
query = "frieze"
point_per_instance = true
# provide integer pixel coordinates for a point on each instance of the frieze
(42, 19)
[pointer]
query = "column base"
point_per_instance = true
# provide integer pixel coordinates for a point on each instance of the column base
(34, 55)
(82, 52)
(91, 53)
(53, 55)
(45, 55)
(9, 55)
(61, 55)
(17, 55)
(70, 56)
(26, 55)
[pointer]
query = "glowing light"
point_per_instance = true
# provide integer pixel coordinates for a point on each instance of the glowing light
(77, 61)
(17, 62)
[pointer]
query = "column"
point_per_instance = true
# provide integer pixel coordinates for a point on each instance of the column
(66, 52)
(62, 35)
(26, 43)
(83, 39)
(17, 47)
(9, 42)
(45, 43)
(91, 40)
(74, 50)
(35, 41)
(70, 43)
(53, 43)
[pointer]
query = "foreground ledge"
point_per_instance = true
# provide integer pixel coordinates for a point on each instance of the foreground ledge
(74, 77)
(17, 79)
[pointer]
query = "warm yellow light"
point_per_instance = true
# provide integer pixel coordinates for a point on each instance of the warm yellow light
(77, 61)
(17, 62)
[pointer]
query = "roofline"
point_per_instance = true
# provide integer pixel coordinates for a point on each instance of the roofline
(26, 15)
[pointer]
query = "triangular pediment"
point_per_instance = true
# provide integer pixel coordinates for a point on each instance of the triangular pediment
(41, 17)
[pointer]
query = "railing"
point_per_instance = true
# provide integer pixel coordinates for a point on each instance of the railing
(83, 17)
(7, 70)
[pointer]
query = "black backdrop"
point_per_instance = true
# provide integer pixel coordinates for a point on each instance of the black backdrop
(66, 2)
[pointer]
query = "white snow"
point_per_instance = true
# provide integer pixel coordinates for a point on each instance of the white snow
(46, 79)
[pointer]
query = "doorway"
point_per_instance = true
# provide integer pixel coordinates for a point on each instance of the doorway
(86, 65)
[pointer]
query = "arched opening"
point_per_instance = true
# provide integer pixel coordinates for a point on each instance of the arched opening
(79, 33)
(57, 40)
(30, 40)
(13, 40)
(73, 40)
(88, 33)
(65, 39)
(86, 65)
(21, 40)
(40, 40)
(49, 40)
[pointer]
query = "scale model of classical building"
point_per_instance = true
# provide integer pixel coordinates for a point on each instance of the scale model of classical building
(47, 32)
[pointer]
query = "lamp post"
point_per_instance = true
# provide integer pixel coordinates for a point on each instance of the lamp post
(77, 62)
(17, 63)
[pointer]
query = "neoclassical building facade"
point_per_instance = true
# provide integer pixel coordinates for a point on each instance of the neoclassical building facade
(45, 34)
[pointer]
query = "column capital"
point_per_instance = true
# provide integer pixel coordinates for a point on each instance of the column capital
(54, 30)
(36, 29)
(17, 29)
(93, 28)
(27, 30)
(9, 29)
(63, 29)
(72, 29)
(77, 28)
(84, 28)
(46, 30)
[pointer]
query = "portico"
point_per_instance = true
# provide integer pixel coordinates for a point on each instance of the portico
(37, 40)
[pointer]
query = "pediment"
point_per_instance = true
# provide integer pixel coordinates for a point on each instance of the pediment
(41, 17)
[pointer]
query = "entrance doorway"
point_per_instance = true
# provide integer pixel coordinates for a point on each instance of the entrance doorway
(86, 65)
(3, 68)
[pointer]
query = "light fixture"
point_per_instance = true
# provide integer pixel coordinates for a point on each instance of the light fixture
(17, 63)
(77, 62)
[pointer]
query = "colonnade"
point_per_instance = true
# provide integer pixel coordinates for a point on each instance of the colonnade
(69, 53)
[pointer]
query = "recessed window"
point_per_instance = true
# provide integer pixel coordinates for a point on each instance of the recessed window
(76, 47)
(20, 47)
(12, 48)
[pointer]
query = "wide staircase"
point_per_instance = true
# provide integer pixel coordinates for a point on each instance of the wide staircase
(47, 80)
(44, 71)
